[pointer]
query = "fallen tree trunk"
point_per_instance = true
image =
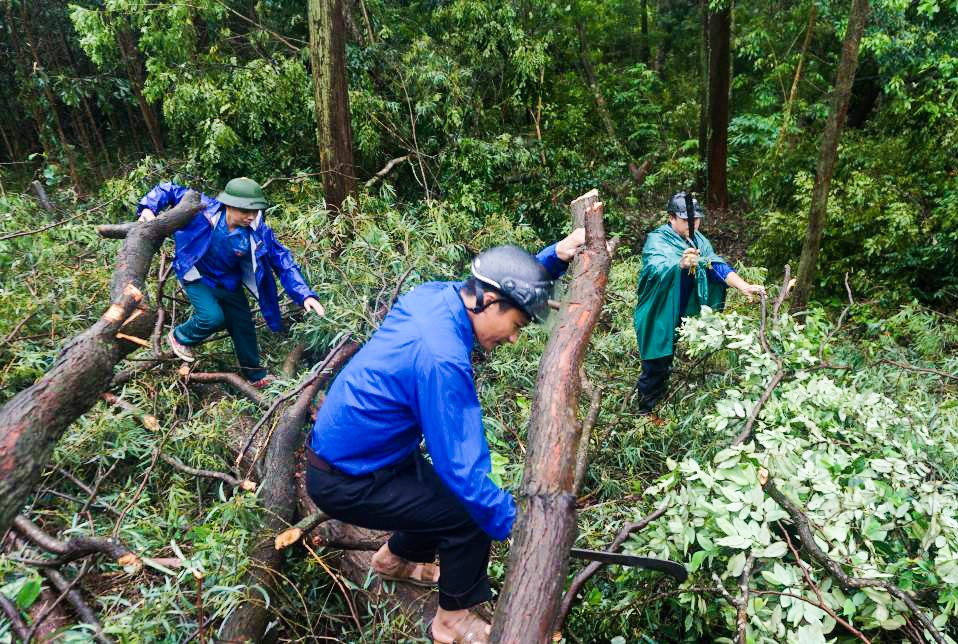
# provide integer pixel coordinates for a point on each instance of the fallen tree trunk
(546, 526)
(277, 492)
(33, 420)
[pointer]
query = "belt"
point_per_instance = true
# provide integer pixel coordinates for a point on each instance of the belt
(316, 461)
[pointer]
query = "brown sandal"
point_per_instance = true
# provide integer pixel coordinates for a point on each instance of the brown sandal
(472, 630)
(419, 574)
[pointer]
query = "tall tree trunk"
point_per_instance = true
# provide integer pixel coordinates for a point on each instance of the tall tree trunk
(703, 95)
(644, 52)
(828, 153)
(327, 54)
(720, 49)
(793, 92)
(546, 527)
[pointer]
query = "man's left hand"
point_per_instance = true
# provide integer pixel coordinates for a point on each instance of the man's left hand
(312, 304)
(567, 248)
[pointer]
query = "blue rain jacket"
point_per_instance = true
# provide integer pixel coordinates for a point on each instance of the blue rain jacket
(267, 254)
(414, 379)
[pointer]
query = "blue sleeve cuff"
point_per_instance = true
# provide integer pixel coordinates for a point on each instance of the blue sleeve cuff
(550, 260)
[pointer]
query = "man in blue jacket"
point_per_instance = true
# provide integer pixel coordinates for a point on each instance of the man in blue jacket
(225, 246)
(412, 380)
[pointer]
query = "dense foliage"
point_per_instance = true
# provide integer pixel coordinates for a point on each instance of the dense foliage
(491, 100)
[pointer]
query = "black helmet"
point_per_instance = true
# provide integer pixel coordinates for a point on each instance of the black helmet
(677, 207)
(518, 276)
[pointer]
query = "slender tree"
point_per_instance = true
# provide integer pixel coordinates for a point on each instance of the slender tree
(719, 86)
(828, 152)
(327, 53)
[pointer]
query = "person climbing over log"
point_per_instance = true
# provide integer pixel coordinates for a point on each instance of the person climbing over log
(414, 379)
(671, 266)
(225, 246)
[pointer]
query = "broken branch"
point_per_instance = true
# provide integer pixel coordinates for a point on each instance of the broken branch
(847, 582)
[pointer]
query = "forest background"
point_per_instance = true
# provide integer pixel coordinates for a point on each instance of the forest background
(467, 123)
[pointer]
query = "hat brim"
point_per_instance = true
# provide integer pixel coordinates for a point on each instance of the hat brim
(244, 203)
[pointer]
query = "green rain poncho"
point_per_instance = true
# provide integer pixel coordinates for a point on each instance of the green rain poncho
(657, 313)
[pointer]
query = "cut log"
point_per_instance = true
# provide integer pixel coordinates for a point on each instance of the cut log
(249, 619)
(33, 420)
(546, 525)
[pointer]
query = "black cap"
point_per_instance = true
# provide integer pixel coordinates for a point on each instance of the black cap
(518, 276)
(677, 207)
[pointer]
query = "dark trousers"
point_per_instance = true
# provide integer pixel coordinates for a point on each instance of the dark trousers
(427, 519)
(215, 309)
(654, 382)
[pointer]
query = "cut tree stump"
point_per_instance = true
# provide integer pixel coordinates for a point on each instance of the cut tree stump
(546, 525)
(32, 421)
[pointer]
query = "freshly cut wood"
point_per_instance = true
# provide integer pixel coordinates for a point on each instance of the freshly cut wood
(546, 525)
(32, 421)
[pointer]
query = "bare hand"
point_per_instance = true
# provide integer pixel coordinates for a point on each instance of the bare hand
(147, 215)
(312, 304)
(567, 248)
(751, 290)
(689, 257)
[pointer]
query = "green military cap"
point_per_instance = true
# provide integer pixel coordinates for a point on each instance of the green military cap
(243, 193)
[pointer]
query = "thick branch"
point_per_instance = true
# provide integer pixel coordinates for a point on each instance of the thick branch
(234, 380)
(75, 547)
(32, 421)
(779, 372)
(80, 607)
(13, 616)
(387, 169)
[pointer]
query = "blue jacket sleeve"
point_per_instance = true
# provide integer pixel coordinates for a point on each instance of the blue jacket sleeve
(451, 422)
(719, 271)
(286, 268)
(548, 258)
(162, 196)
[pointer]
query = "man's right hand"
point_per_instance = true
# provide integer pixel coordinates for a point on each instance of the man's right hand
(147, 215)
(689, 257)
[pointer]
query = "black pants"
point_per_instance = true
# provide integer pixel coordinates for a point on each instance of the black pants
(654, 382)
(411, 499)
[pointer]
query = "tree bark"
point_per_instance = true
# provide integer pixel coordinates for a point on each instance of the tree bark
(42, 197)
(278, 493)
(720, 79)
(546, 526)
(703, 96)
(828, 153)
(327, 54)
(33, 420)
